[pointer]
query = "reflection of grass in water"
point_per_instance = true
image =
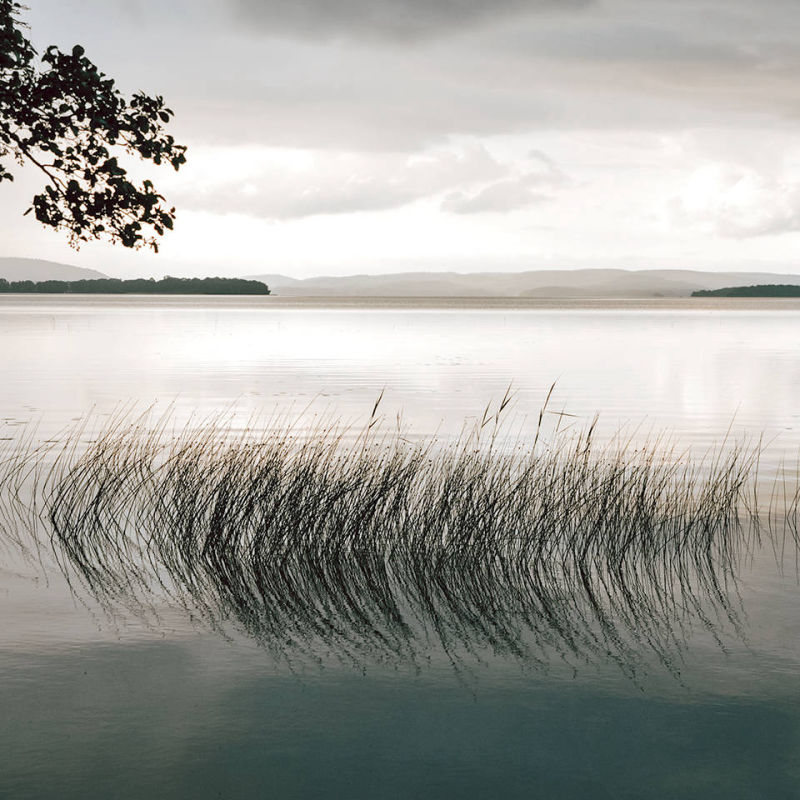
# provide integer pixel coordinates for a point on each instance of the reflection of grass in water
(370, 546)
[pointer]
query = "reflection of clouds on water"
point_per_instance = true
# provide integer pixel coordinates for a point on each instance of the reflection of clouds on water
(688, 371)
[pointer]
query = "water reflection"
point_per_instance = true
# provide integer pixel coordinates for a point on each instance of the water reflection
(630, 362)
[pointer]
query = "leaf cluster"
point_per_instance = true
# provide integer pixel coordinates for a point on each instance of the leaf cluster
(60, 113)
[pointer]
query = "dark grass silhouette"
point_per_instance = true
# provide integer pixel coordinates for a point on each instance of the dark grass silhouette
(368, 547)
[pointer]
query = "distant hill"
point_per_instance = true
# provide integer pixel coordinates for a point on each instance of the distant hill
(760, 290)
(34, 269)
(579, 283)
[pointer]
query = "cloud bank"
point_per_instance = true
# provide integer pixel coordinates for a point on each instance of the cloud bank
(281, 186)
(392, 20)
(738, 202)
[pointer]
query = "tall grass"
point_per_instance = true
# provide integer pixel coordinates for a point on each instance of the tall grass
(369, 546)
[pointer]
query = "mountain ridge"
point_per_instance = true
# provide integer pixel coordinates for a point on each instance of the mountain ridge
(37, 269)
(579, 283)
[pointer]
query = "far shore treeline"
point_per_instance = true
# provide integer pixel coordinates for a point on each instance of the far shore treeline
(761, 290)
(166, 285)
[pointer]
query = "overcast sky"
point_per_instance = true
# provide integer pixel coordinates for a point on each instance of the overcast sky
(343, 136)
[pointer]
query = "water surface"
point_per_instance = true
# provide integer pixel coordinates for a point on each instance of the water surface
(117, 700)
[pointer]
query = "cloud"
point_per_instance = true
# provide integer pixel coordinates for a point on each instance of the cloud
(738, 202)
(410, 74)
(509, 194)
(651, 65)
(300, 184)
(397, 20)
(296, 184)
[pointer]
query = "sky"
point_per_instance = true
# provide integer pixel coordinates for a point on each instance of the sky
(333, 137)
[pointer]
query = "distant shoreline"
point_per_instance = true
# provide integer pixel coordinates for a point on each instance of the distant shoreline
(759, 290)
(140, 286)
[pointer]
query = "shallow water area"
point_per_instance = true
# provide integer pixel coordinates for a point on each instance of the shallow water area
(170, 694)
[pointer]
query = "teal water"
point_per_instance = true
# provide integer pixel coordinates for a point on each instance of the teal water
(160, 720)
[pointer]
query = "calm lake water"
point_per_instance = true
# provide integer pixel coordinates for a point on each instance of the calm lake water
(147, 698)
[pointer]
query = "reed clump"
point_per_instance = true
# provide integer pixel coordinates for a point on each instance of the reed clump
(369, 546)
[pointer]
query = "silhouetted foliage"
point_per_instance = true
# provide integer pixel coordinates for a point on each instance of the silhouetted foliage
(166, 285)
(761, 290)
(70, 121)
